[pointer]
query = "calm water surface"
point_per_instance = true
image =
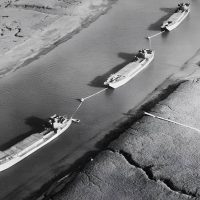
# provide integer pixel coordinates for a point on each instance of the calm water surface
(76, 69)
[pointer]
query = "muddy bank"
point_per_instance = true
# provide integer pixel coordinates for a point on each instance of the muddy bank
(30, 29)
(152, 159)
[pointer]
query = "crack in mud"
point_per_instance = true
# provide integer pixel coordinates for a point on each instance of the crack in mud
(149, 173)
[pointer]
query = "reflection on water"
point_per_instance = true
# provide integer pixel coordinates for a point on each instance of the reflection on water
(36, 124)
(76, 69)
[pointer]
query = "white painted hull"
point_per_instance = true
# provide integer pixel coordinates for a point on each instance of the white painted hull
(18, 158)
(177, 23)
(135, 72)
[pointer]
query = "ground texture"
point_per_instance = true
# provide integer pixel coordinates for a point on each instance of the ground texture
(153, 159)
(29, 28)
(20, 19)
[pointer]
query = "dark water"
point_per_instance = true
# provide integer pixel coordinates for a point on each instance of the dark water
(76, 69)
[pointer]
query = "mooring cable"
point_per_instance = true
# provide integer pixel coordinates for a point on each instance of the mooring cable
(78, 107)
(83, 99)
(150, 46)
(152, 36)
(172, 121)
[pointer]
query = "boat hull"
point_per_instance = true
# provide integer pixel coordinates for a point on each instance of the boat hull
(18, 158)
(127, 79)
(177, 23)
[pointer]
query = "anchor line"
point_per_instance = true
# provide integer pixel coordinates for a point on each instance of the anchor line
(150, 46)
(171, 121)
(83, 99)
(169, 64)
(78, 107)
(152, 36)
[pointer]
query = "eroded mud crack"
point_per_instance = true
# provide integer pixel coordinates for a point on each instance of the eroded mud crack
(149, 173)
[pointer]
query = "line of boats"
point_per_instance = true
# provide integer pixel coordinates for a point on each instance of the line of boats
(145, 56)
(58, 124)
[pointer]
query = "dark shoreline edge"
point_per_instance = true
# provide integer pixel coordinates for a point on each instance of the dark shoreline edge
(56, 184)
(5, 71)
(161, 92)
(43, 51)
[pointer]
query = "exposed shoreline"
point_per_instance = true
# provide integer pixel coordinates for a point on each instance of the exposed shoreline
(56, 33)
(188, 73)
(168, 87)
(43, 41)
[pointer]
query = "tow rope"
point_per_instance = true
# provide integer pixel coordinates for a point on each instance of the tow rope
(152, 36)
(85, 98)
(78, 107)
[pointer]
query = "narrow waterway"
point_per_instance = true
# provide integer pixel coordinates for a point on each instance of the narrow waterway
(78, 68)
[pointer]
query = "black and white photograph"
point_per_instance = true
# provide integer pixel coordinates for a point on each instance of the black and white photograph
(99, 99)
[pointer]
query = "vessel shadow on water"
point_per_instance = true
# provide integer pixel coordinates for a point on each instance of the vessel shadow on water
(177, 17)
(55, 126)
(98, 81)
(36, 124)
(156, 25)
(139, 63)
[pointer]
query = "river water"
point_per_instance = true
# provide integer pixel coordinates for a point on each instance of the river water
(76, 69)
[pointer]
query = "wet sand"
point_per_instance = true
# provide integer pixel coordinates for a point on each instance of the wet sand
(31, 29)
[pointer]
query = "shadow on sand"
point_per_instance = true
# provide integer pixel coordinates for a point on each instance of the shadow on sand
(99, 80)
(156, 26)
(36, 124)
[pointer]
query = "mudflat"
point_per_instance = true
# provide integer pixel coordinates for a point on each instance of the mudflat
(31, 28)
(153, 159)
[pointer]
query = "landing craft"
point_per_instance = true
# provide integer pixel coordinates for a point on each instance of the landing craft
(178, 16)
(140, 62)
(56, 126)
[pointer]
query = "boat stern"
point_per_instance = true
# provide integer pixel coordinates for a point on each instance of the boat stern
(164, 28)
(113, 86)
(146, 53)
(106, 83)
(110, 80)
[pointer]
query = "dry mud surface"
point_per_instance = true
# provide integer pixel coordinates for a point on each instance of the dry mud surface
(20, 19)
(153, 159)
(29, 28)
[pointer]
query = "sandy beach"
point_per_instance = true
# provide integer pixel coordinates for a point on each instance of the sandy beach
(29, 29)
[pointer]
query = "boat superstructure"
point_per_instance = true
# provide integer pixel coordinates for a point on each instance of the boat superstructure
(177, 17)
(140, 62)
(56, 126)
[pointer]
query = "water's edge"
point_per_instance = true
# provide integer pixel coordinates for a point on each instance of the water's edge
(44, 41)
(189, 71)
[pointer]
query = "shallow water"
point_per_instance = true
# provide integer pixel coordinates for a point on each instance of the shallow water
(76, 69)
